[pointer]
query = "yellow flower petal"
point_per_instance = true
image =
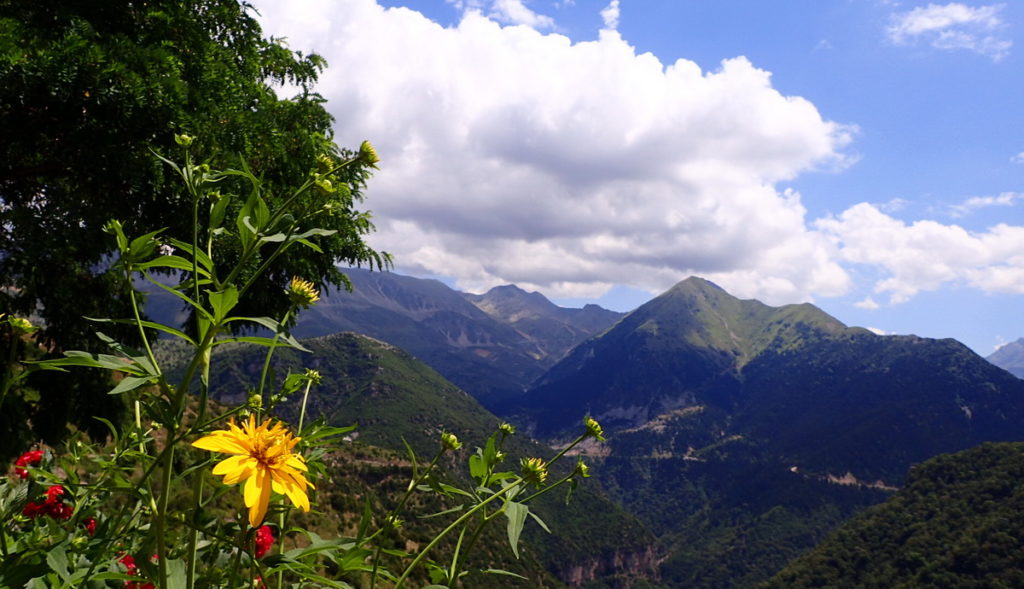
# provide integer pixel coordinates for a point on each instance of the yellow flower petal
(236, 468)
(221, 442)
(258, 498)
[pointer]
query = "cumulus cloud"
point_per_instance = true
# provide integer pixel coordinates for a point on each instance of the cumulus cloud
(517, 13)
(868, 304)
(610, 15)
(926, 255)
(953, 26)
(511, 155)
(1018, 159)
(1006, 199)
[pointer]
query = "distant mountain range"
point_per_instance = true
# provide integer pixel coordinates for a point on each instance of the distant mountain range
(739, 433)
(491, 345)
(1010, 357)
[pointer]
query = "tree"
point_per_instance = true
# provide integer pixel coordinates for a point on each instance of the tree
(89, 91)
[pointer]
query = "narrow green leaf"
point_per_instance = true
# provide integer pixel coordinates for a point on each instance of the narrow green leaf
(176, 262)
(202, 259)
(130, 383)
(501, 572)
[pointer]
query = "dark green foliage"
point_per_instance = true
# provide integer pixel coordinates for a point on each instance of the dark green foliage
(957, 523)
(392, 396)
(88, 91)
(727, 514)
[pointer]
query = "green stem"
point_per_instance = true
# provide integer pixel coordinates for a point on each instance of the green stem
(305, 397)
(456, 563)
(437, 539)
(394, 513)
(193, 536)
(266, 368)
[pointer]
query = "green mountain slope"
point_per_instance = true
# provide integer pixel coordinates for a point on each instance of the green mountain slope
(392, 395)
(957, 523)
(743, 433)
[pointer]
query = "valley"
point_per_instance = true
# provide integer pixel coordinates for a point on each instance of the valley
(739, 435)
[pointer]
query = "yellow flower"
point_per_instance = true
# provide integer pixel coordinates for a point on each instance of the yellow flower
(262, 458)
(302, 292)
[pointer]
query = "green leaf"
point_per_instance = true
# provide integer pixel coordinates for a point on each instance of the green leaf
(130, 383)
(204, 261)
(176, 262)
(365, 520)
(217, 211)
(327, 432)
(502, 572)
(539, 521)
(57, 559)
(176, 573)
(222, 302)
(267, 322)
(516, 513)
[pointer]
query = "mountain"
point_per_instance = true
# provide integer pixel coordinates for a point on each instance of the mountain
(1010, 357)
(956, 523)
(689, 343)
(556, 329)
(742, 433)
(395, 397)
(476, 341)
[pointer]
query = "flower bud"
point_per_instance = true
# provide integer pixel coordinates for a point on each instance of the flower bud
(302, 292)
(450, 441)
(183, 140)
(582, 469)
(507, 428)
(534, 470)
(593, 428)
(368, 154)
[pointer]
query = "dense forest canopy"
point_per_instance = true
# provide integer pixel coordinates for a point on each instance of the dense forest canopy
(91, 91)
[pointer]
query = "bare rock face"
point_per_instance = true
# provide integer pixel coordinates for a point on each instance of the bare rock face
(622, 566)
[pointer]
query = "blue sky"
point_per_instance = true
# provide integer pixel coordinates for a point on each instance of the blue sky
(864, 155)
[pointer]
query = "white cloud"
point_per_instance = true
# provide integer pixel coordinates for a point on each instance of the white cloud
(868, 304)
(1006, 199)
(515, 12)
(927, 255)
(877, 331)
(953, 26)
(1018, 159)
(509, 155)
(610, 15)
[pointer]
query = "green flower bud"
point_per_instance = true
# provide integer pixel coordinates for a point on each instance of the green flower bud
(449, 441)
(368, 154)
(183, 140)
(313, 375)
(593, 428)
(582, 469)
(507, 428)
(534, 470)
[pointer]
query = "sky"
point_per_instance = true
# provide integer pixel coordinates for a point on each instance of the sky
(863, 155)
